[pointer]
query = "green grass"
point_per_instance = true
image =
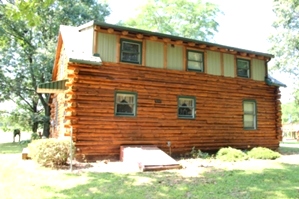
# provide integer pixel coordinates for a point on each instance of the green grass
(288, 150)
(11, 148)
(25, 179)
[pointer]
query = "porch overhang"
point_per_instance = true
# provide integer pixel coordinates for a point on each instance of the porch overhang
(274, 82)
(52, 87)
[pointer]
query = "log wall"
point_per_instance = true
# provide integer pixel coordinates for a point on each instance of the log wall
(98, 133)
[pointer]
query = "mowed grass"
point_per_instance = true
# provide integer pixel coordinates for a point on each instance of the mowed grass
(11, 148)
(25, 179)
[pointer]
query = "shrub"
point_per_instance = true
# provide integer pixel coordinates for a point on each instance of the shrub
(197, 153)
(262, 153)
(50, 152)
(231, 155)
(34, 136)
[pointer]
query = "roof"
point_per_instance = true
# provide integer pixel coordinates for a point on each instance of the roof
(162, 35)
(74, 51)
(274, 82)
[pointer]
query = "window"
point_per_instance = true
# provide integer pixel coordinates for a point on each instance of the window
(249, 117)
(130, 51)
(243, 68)
(195, 60)
(186, 107)
(125, 104)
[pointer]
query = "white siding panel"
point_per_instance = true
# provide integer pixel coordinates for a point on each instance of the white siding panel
(175, 57)
(154, 56)
(106, 47)
(229, 65)
(258, 69)
(213, 63)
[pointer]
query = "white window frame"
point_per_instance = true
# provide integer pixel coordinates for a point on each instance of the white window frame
(132, 105)
(124, 51)
(200, 62)
(182, 107)
(252, 114)
(241, 70)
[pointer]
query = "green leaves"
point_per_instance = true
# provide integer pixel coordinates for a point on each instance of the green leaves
(28, 39)
(285, 41)
(191, 19)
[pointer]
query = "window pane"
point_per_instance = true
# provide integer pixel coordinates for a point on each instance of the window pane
(125, 104)
(186, 107)
(243, 64)
(243, 73)
(194, 56)
(130, 57)
(249, 117)
(194, 65)
(130, 52)
(130, 47)
(249, 121)
(249, 107)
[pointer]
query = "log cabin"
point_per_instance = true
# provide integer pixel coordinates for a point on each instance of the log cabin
(115, 86)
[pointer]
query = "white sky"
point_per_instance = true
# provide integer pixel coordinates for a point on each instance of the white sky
(243, 24)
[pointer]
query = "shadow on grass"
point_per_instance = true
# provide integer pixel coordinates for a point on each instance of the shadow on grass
(288, 150)
(268, 183)
(11, 148)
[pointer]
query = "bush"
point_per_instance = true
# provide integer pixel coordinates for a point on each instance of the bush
(197, 153)
(34, 136)
(231, 155)
(263, 153)
(50, 152)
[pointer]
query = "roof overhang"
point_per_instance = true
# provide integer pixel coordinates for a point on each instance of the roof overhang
(274, 82)
(104, 25)
(52, 87)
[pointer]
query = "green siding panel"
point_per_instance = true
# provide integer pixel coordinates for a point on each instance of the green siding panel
(213, 63)
(175, 57)
(229, 65)
(258, 69)
(106, 47)
(154, 56)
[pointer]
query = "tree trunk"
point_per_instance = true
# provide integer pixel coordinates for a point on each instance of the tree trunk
(34, 126)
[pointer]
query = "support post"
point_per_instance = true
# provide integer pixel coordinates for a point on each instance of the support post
(71, 149)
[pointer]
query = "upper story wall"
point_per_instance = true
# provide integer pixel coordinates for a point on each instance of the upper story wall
(173, 55)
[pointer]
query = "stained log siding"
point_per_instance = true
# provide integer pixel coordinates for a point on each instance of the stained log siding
(218, 123)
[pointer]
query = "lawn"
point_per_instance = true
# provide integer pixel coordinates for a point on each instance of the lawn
(25, 179)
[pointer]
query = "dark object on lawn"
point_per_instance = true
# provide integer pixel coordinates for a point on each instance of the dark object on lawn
(15, 133)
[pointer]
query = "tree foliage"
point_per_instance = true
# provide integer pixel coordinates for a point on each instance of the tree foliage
(290, 112)
(28, 38)
(191, 19)
(285, 41)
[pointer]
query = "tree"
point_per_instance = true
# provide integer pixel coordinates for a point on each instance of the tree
(290, 113)
(285, 42)
(191, 19)
(28, 38)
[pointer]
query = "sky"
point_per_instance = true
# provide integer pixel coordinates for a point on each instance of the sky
(245, 24)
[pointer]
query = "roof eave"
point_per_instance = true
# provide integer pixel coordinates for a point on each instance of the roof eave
(162, 35)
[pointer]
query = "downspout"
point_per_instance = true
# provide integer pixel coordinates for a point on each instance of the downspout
(266, 66)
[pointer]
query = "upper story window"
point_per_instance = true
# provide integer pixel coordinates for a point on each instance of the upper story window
(243, 68)
(249, 117)
(130, 51)
(195, 60)
(186, 107)
(125, 104)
